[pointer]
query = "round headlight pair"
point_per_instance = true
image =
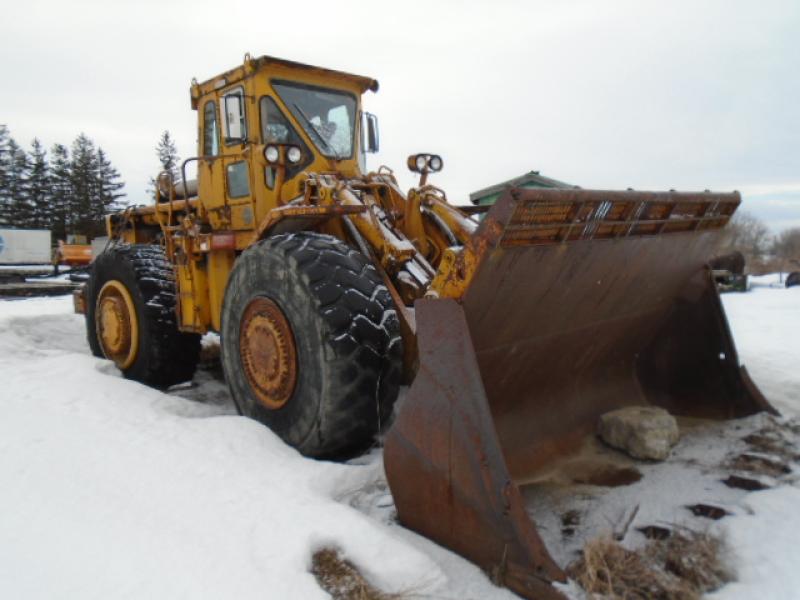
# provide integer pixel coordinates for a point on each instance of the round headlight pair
(273, 154)
(425, 163)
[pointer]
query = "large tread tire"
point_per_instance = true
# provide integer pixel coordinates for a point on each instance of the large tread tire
(89, 316)
(166, 355)
(346, 334)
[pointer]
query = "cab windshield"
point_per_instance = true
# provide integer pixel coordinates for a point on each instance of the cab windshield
(327, 116)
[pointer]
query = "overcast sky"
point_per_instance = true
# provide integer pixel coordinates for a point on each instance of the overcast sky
(686, 95)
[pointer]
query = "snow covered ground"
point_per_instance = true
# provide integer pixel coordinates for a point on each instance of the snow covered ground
(766, 327)
(114, 490)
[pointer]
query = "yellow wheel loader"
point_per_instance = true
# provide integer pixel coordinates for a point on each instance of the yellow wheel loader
(515, 328)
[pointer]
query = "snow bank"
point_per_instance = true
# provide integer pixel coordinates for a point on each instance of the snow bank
(764, 545)
(766, 326)
(110, 490)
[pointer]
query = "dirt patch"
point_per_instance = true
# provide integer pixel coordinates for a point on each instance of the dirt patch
(766, 442)
(777, 439)
(683, 566)
(745, 483)
(604, 474)
(759, 465)
(342, 580)
(794, 426)
(654, 532)
(569, 522)
(708, 511)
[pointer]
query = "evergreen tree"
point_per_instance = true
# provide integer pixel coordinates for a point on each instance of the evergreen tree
(69, 194)
(5, 167)
(109, 186)
(94, 187)
(17, 186)
(61, 196)
(167, 153)
(39, 187)
(168, 158)
(84, 183)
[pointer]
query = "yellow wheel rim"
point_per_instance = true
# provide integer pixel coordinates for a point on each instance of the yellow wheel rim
(269, 357)
(116, 324)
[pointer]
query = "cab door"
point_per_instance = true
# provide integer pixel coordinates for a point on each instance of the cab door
(210, 175)
(224, 173)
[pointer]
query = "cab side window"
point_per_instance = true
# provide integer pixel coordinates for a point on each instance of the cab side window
(235, 123)
(210, 129)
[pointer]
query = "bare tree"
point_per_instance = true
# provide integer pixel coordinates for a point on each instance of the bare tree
(747, 234)
(786, 249)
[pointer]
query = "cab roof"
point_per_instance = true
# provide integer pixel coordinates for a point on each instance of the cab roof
(252, 65)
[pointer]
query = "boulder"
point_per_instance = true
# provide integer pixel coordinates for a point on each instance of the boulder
(645, 432)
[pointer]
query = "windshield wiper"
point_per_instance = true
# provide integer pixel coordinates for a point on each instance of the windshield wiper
(316, 130)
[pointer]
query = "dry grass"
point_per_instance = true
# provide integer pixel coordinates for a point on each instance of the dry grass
(759, 465)
(769, 442)
(681, 567)
(341, 579)
(607, 570)
(695, 558)
(777, 439)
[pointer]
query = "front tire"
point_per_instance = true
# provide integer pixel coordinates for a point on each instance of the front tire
(311, 344)
(131, 318)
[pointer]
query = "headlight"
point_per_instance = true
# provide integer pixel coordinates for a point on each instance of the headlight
(293, 154)
(425, 163)
(272, 154)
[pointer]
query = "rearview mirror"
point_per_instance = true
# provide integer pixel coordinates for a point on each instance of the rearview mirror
(371, 122)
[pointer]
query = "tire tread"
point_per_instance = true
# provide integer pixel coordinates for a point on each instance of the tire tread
(356, 314)
(172, 355)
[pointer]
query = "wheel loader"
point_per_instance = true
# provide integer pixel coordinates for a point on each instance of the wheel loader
(516, 325)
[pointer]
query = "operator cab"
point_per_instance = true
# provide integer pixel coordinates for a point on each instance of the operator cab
(269, 120)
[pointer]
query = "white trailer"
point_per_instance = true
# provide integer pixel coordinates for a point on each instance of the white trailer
(25, 247)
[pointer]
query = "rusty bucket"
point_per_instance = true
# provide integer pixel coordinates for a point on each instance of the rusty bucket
(574, 303)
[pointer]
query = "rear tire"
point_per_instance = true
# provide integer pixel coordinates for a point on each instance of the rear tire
(89, 316)
(325, 307)
(164, 355)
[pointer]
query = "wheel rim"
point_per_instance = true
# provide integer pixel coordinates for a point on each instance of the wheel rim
(268, 352)
(116, 324)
